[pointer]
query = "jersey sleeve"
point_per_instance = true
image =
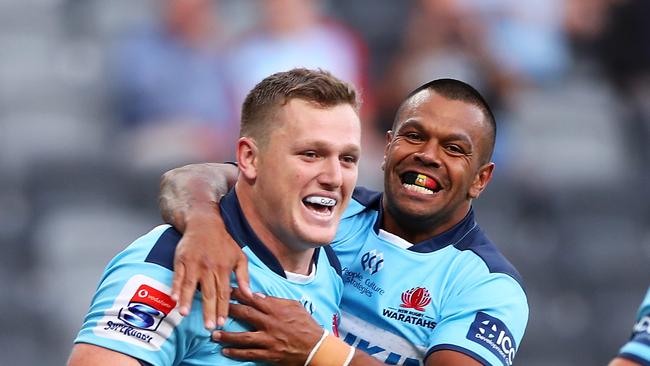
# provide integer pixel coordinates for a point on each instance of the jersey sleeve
(486, 322)
(132, 311)
(637, 349)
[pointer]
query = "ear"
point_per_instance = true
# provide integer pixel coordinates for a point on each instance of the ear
(389, 138)
(481, 180)
(247, 157)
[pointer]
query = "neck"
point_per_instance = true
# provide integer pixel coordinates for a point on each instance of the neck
(281, 244)
(416, 230)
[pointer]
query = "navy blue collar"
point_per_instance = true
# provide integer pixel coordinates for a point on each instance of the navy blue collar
(241, 231)
(450, 237)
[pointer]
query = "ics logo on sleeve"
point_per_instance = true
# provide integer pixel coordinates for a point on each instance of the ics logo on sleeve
(147, 308)
(493, 334)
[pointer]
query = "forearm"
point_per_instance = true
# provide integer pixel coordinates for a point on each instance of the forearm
(361, 358)
(193, 190)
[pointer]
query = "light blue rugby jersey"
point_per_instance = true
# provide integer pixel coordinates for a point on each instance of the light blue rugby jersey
(132, 311)
(637, 348)
(452, 292)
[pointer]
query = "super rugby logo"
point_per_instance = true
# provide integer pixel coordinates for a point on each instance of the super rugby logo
(493, 334)
(373, 261)
(416, 298)
(147, 308)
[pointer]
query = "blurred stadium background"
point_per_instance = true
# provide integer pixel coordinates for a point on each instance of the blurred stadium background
(99, 98)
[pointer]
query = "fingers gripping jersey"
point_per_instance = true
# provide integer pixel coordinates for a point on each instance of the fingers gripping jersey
(133, 313)
(637, 348)
(401, 302)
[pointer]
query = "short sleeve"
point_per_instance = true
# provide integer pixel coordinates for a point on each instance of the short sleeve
(132, 313)
(637, 348)
(486, 322)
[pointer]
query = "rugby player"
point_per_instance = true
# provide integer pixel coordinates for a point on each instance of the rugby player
(297, 155)
(423, 283)
(636, 352)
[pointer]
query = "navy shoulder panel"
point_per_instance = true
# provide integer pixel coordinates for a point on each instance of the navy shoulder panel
(162, 253)
(333, 259)
(367, 197)
(477, 242)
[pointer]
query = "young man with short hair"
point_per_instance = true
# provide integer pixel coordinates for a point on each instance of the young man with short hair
(297, 155)
(423, 283)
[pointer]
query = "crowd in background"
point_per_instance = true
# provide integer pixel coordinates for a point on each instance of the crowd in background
(99, 98)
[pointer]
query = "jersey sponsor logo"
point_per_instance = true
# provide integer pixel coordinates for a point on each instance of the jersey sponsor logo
(142, 314)
(380, 353)
(641, 331)
(307, 304)
(416, 298)
(147, 308)
(409, 317)
(372, 261)
(494, 335)
(128, 330)
(363, 285)
(390, 347)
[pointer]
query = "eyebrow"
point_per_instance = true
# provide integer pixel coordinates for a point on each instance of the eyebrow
(317, 144)
(454, 136)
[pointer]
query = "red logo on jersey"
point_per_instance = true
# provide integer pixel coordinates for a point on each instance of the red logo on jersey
(416, 298)
(155, 298)
(335, 324)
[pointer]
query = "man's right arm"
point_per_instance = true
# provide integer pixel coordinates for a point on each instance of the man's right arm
(91, 355)
(206, 254)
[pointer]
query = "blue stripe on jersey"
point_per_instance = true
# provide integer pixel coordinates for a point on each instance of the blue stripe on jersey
(476, 241)
(466, 235)
(452, 347)
(162, 252)
(366, 197)
(241, 231)
(332, 258)
(634, 358)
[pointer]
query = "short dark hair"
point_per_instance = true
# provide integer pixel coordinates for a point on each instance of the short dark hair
(453, 89)
(315, 86)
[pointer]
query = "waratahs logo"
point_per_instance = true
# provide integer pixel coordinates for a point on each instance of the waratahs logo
(147, 308)
(493, 334)
(416, 298)
(373, 261)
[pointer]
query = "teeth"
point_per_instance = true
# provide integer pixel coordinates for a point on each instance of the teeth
(320, 200)
(418, 189)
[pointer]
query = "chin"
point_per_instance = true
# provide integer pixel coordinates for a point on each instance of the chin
(317, 237)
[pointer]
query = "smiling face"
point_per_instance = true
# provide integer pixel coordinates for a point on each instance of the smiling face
(434, 165)
(302, 178)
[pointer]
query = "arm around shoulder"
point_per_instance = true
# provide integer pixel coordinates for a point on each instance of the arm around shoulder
(184, 189)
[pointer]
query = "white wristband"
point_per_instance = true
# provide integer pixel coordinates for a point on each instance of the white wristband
(313, 350)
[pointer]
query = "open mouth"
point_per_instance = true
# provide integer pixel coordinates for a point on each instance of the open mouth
(420, 183)
(320, 204)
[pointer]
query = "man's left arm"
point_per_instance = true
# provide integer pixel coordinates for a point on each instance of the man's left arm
(485, 322)
(286, 335)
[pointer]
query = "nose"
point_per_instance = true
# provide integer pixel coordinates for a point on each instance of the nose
(331, 175)
(429, 154)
